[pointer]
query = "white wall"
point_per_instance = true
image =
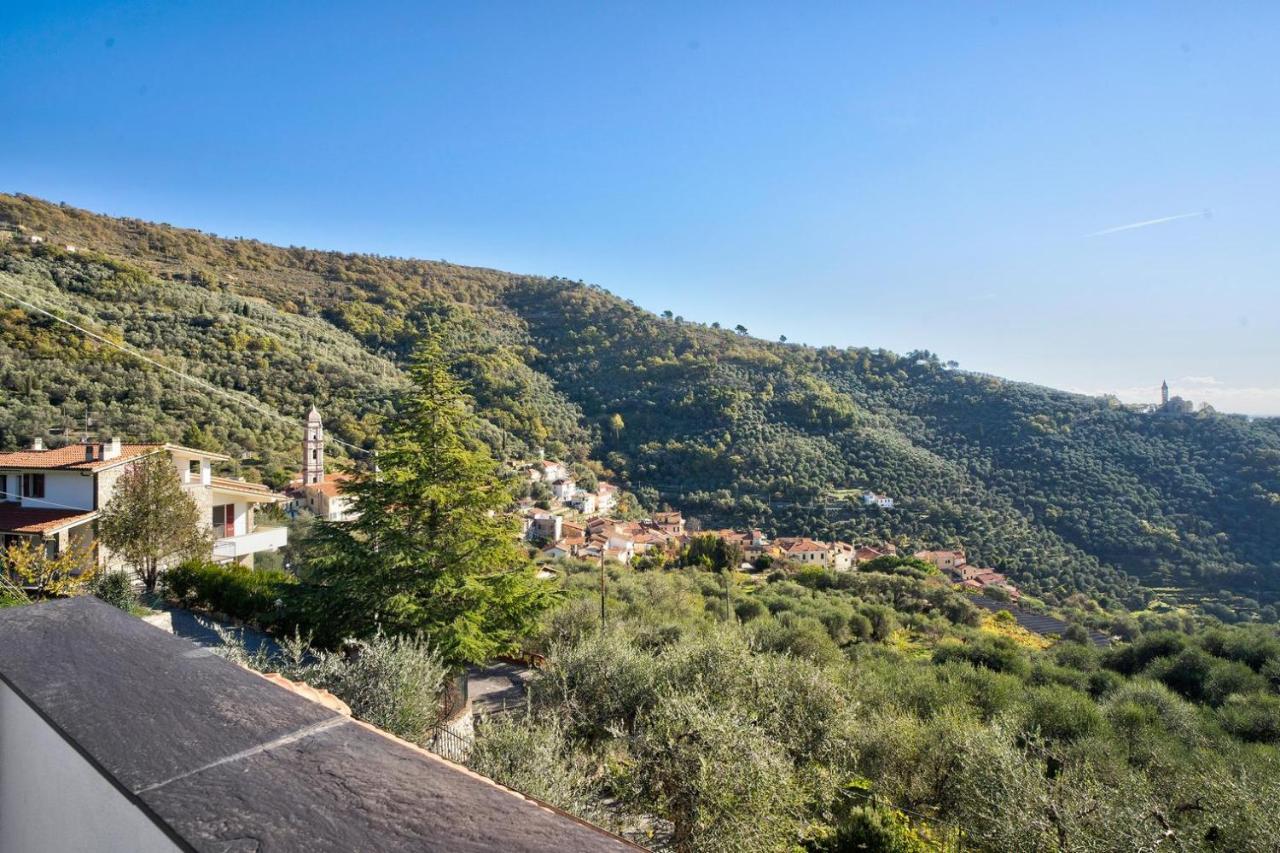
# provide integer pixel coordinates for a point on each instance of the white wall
(61, 489)
(53, 801)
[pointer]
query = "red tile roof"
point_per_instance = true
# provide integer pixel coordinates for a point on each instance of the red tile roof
(806, 545)
(71, 457)
(30, 520)
(332, 484)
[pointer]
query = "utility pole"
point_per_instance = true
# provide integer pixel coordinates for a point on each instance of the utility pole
(728, 601)
(603, 548)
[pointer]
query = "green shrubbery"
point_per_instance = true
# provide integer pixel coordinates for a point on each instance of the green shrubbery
(115, 588)
(242, 593)
(744, 735)
(394, 683)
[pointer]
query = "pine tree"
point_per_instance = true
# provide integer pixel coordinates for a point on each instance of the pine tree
(431, 550)
(150, 521)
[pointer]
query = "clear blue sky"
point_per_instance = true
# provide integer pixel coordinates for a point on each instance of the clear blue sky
(901, 175)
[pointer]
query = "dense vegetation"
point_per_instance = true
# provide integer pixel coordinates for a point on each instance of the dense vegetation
(1064, 493)
(871, 711)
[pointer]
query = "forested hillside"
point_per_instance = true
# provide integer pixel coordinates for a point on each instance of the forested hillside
(1063, 492)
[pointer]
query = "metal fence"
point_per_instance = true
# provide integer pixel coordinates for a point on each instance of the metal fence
(447, 743)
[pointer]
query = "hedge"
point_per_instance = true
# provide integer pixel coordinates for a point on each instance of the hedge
(235, 590)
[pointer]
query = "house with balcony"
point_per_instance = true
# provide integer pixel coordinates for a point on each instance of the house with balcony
(53, 496)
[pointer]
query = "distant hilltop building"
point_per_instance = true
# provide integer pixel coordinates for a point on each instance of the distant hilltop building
(1173, 405)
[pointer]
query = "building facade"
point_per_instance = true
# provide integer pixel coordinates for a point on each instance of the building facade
(52, 497)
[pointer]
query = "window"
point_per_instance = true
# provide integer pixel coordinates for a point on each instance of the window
(224, 520)
(194, 467)
(315, 454)
(4, 487)
(51, 549)
(33, 485)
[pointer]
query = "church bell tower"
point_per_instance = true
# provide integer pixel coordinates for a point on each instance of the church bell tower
(1164, 393)
(313, 450)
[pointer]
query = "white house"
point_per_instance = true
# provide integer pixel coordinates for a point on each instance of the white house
(874, 499)
(53, 496)
(584, 502)
(606, 497)
(547, 471)
(564, 489)
(546, 526)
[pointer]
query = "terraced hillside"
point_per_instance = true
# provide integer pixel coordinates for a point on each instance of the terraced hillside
(1063, 492)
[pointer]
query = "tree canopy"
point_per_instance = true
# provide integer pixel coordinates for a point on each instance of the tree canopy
(431, 551)
(150, 522)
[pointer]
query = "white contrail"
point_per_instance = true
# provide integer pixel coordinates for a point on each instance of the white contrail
(1147, 222)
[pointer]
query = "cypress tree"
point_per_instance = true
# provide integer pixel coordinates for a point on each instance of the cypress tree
(431, 550)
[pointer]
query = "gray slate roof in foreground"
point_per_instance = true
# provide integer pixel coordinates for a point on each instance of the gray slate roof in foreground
(222, 758)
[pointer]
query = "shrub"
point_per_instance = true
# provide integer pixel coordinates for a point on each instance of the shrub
(1252, 718)
(1061, 713)
(1140, 704)
(1076, 634)
(998, 653)
(723, 784)
(1187, 673)
(1228, 677)
(115, 588)
(231, 589)
(392, 682)
(802, 636)
(748, 609)
(604, 681)
(872, 828)
(1128, 660)
(535, 755)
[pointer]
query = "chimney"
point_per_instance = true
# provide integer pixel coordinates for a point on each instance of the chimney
(37, 443)
(111, 449)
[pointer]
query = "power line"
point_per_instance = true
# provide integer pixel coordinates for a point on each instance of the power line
(238, 396)
(53, 504)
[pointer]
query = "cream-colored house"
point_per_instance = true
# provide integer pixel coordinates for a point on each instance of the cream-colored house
(53, 496)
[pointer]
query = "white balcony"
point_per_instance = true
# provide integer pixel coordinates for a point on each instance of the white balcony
(262, 539)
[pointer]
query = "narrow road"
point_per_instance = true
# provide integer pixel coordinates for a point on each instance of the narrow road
(199, 629)
(498, 687)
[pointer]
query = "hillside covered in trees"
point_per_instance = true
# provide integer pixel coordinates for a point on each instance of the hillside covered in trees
(1064, 493)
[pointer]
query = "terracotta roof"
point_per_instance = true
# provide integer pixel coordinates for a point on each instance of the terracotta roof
(71, 457)
(30, 520)
(807, 545)
(331, 486)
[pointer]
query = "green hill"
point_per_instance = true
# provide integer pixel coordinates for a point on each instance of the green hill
(1065, 493)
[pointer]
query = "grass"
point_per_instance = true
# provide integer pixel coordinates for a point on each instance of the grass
(1014, 631)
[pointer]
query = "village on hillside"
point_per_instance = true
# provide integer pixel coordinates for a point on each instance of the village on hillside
(575, 523)
(51, 496)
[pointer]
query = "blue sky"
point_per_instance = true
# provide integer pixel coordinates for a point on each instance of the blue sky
(898, 175)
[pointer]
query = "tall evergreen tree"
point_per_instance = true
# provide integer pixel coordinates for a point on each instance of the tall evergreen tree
(431, 550)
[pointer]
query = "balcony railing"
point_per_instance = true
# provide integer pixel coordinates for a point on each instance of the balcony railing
(262, 539)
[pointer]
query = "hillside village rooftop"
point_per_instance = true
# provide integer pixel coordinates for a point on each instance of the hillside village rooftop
(116, 736)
